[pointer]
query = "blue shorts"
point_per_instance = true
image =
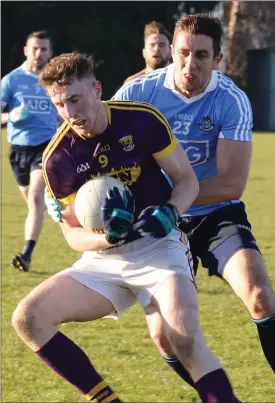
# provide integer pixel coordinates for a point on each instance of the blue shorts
(215, 237)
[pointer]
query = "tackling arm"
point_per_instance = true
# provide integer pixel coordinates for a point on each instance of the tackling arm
(233, 162)
(186, 186)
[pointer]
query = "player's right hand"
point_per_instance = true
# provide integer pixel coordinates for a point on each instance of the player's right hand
(53, 206)
(117, 213)
(19, 113)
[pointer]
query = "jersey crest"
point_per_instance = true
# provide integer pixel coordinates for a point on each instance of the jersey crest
(206, 124)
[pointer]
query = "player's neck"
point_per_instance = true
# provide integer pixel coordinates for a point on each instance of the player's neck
(33, 69)
(101, 120)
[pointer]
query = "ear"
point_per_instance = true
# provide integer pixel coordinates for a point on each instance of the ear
(98, 88)
(25, 51)
(217, 61)
(144, 53)
(172, 52)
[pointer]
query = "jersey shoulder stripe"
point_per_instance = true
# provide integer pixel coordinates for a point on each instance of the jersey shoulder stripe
(145, 107)
(243, 128)
(59, 135)
(146, 78)
(138, 74)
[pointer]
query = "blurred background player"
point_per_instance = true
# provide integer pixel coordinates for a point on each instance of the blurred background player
(31, 122)
(212, 119)
(147, 261)
(157, 48)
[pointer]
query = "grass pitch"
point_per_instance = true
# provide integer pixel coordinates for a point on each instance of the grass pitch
(122, 351)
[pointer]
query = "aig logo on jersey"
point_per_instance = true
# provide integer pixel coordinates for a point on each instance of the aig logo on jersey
(37, 104)
(127, 143)
(206, 124)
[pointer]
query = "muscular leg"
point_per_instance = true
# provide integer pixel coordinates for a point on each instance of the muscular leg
(246, 274)
(157, 333)
(176, 301)
(57, 300)
(34, 196)
(24, 192)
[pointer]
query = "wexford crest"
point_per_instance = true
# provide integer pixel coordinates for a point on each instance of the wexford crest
(127, 143)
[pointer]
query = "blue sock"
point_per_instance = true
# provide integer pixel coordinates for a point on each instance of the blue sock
(177, 366)
(266, 331)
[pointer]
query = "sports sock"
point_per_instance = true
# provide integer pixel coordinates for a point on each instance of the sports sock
(177, 366)
(215, 387)
(28, 250)
(68, 360)
(266, 331)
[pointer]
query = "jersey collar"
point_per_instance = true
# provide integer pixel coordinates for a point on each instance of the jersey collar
(170, 84)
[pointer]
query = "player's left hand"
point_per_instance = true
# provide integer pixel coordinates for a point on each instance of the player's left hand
(117, 214)
(54, 206)
(157, 221)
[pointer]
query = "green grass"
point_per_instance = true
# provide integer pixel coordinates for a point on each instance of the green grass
(122, 351)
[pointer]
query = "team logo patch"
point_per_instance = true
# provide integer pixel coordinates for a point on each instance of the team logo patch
(206, 124)
(127, 143)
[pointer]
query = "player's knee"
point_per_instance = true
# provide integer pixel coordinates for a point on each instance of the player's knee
(183, 343)
(25, 319)
(261, 300)
(36, 201)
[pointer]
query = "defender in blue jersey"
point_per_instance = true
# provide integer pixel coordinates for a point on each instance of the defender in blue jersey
(31, 122)
(212, 120)
(141, 256)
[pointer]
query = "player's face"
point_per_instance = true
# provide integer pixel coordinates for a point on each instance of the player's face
(78, 103)
(38, 52)
(157, 51)
(194, 60)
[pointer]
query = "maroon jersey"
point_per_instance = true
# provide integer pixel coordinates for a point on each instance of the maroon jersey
(136, 136)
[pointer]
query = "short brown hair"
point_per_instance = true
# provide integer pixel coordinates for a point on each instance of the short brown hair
(155, 27)
(63, 69)
(201, 24)
(39, 35)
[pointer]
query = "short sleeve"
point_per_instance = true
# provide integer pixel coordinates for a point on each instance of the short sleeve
(59, 175)
(162, 141)
(237, 120)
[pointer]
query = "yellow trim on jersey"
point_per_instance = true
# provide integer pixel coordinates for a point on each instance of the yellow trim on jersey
(101, 385)
(166, 151)
(110, 398)
(69, 199)
(59, 135)
(105, 103)
(142, 106)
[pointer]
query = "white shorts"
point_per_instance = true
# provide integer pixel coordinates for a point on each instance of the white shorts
(134, 271)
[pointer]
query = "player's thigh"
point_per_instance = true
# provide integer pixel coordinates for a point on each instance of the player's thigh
(246, 273)
(176, 299)
(223, 233)
(64, 299)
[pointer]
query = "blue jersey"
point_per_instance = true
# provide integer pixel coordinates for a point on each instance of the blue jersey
(21, 87)
(221, 111)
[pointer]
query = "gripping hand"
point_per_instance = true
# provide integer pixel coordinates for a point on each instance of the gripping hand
(19, 113)
(157, 221)
(117, 215)
(53, 206)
